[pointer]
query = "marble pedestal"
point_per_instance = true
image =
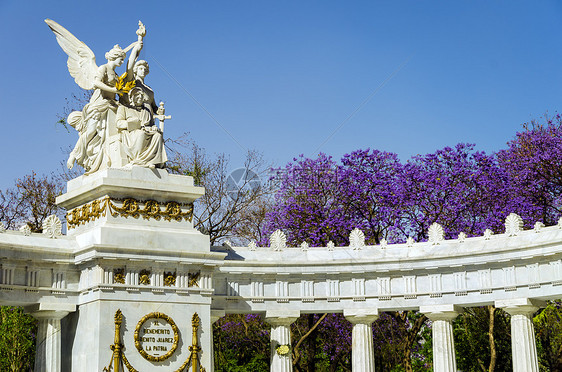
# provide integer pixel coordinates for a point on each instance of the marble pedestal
(137, 252)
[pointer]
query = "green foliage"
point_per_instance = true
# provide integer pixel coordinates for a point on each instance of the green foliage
(17, 339)
(241, 344)
(548, 332)
(472, 342)
(231, 362)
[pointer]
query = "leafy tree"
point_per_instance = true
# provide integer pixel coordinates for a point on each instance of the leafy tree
(482, 340)
(229, 209)
(308, 203)
(548, 331)
(533, 161)
(241, 343)
(371, 194)
(30, 201)
(17, 339)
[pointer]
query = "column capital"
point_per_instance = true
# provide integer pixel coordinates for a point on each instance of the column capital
(50, 310)
(520, 306)
(216, 315)
(281, 317)
(361, 316)
(441, 312)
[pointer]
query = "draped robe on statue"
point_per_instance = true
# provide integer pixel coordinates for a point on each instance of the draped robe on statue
(142, 142)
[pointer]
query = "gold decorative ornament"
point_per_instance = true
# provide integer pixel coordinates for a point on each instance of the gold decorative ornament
(169, 279)
(117, 346)
(195, 349)
(283, 350)
(123, 85)
(118, 358)
(86, 213)
(139, 338)
(144, 277)
(193, 279)
(129, 208)
(152, 209)
(119, 276)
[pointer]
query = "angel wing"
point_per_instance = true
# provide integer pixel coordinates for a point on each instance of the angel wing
(81, 60)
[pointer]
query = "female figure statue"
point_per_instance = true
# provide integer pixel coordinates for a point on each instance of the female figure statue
(93, 121)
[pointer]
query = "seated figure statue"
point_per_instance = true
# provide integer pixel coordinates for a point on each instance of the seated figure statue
(113, 133)
(141, 140)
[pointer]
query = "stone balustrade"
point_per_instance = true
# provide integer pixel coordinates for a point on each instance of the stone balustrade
(517, 271)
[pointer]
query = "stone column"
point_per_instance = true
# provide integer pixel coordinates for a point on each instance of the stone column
(362, 353)
(281, 335)
(215, 315)
(442, 317)
(48, 349)
(523, 346)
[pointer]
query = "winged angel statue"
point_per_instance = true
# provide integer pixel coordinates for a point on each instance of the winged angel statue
(113, 132)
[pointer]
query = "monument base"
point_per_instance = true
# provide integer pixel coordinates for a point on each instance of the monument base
(145, 272)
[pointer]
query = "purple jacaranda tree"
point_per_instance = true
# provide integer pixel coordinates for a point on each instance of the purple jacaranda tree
(464, 190)
(533, 162)
(241, 343)
(461, 189)
(371, 193)
(309, 203)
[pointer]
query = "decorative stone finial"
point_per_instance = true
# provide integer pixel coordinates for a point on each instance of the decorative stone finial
(462, 237)
(252, 246)
(331, 245)
(357, 239)
(410, 241)
(488, 234)
(52, 226)
(513, 224)
(2, 227)
(304, 246)
(384, 243)
(278, 240)
(538, 226)
(435, 233)
(25, 230)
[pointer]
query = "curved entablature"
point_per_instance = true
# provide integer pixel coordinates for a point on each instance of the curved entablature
(466, 272)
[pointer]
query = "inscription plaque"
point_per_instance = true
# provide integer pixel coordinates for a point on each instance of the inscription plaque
(156, 337)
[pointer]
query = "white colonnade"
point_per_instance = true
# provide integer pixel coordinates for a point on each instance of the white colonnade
(442, 316)
(48, 342)
(281, 356)
(362, 354)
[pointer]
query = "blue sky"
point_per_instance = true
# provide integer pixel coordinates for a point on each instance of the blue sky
(282, 77)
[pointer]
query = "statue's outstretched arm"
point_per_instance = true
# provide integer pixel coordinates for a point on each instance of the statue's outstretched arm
(137, 47)
(133, 58)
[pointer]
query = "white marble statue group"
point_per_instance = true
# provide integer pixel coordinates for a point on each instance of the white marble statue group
(116, 128)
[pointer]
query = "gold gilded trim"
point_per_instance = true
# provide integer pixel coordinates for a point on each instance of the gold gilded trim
(169, 279)
(118, 358)
(193, 279)
(138, 338)
(119, 276)
(129, 208)
(86, 213)
(144, 277)
(152, 209)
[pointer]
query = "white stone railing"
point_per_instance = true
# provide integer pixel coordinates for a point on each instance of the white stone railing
(467, 272)
(515, 271)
